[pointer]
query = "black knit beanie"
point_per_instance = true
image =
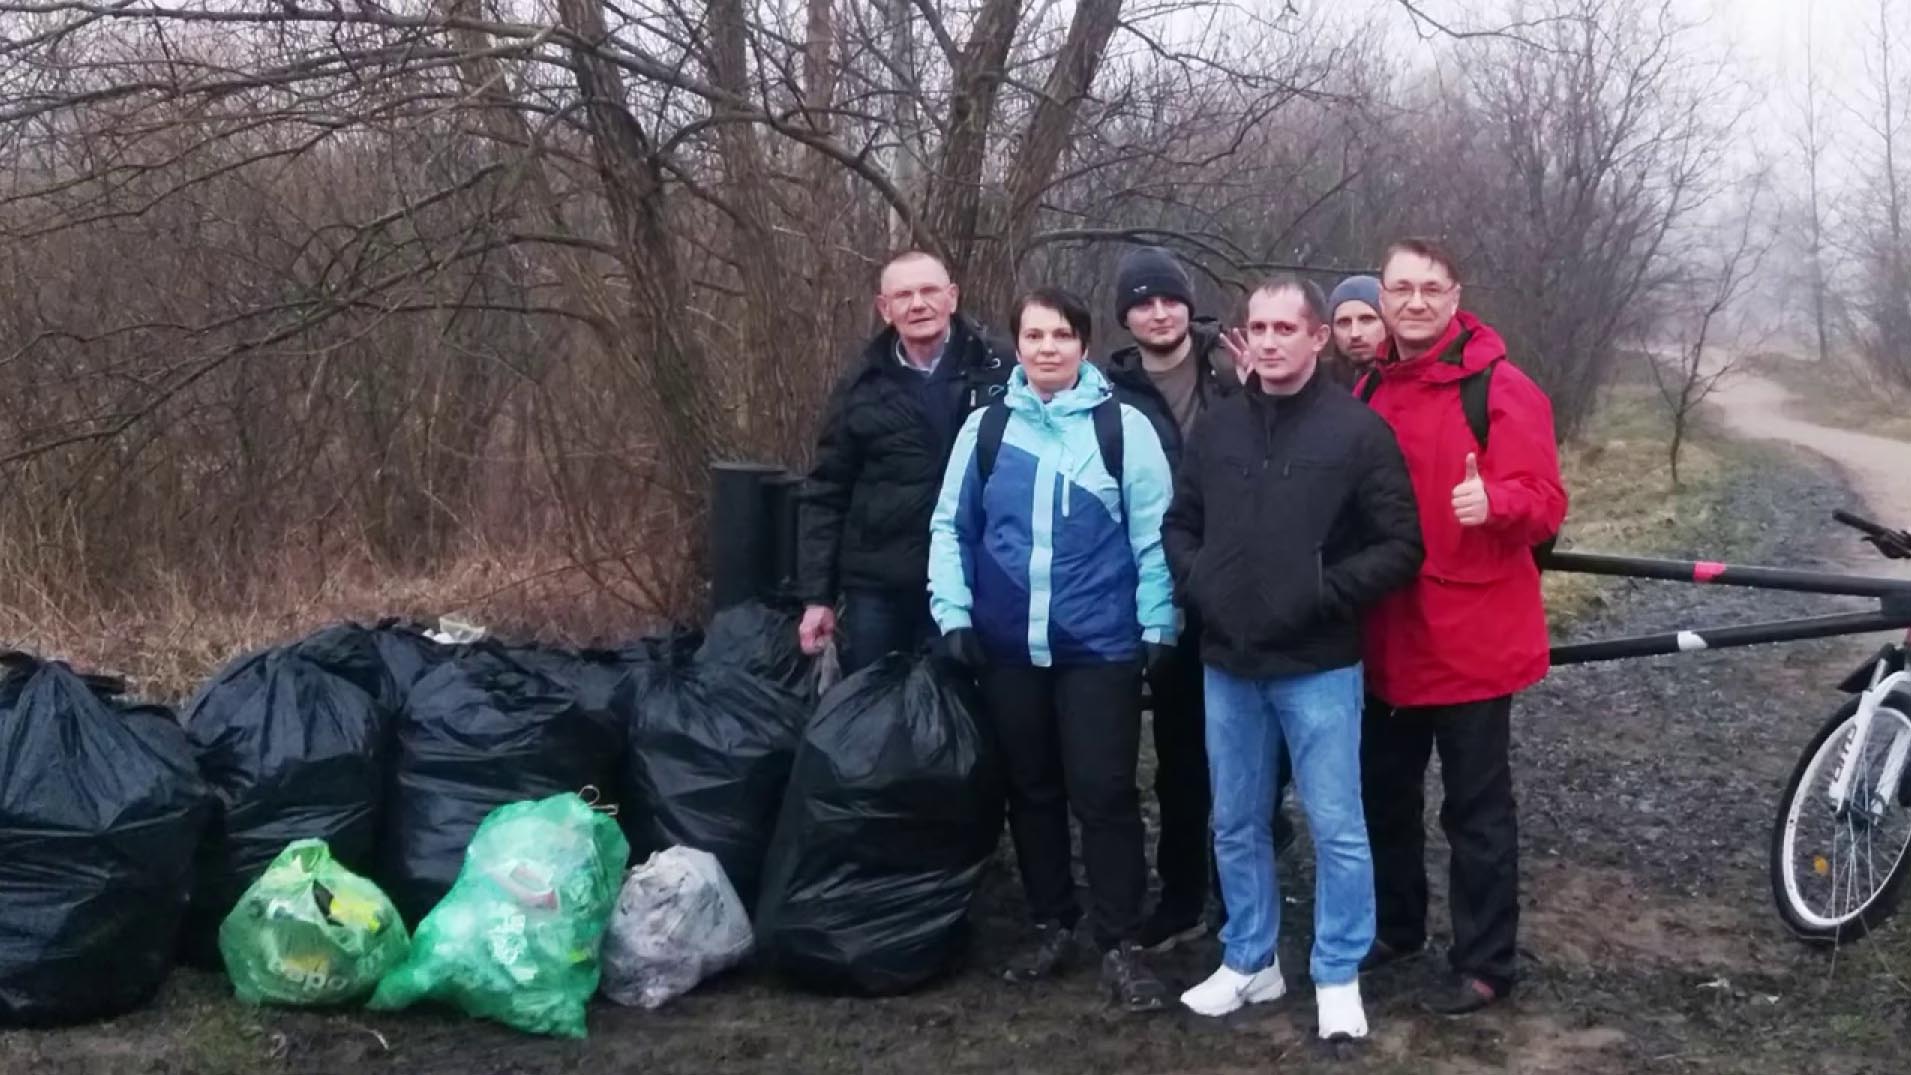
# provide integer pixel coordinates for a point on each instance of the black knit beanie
(1145, 272)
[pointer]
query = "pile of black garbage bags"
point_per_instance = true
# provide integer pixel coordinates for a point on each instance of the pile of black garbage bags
(855, 825)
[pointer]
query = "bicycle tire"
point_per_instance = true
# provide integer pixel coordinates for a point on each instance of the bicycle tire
(1884, 900)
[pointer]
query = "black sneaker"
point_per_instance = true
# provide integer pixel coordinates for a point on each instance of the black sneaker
(1383, 954)
(1048, 957)
(1127, 978)
(1461, 995)
(1165, 929)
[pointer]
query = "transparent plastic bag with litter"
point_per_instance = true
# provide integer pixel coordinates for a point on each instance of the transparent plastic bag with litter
(678, 922)
(518, 937)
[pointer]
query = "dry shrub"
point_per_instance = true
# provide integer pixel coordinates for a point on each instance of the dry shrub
(172, 638)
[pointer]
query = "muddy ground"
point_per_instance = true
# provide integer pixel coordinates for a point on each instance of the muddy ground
(1647, 793)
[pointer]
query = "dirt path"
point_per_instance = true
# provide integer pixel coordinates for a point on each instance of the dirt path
(1879, 468)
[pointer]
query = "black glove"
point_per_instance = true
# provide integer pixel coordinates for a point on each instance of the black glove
(1155, 657)
(964, 648)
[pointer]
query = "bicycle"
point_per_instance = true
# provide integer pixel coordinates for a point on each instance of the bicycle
(1854, 783)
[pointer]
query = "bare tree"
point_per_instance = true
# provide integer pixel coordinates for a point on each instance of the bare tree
(1599, 145)
(1812, 145)
(1721, 279)
(1884, 246)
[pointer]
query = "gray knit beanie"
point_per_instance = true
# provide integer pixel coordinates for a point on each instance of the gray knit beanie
(1357, 289)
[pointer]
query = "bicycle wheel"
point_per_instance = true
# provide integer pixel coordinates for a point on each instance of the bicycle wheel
(1836, 875)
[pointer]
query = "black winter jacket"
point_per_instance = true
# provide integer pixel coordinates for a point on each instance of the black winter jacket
(863, 513)
(1313, 519)
(1133, 386)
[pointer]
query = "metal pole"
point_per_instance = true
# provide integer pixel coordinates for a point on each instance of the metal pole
(1720, 574)
(1848, 623)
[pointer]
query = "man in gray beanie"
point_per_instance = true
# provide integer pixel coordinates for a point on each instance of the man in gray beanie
(1354, 312)
(1172, 374)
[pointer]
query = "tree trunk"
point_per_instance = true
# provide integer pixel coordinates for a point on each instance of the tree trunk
(953, 206)
(1816, 209)
(686, 421)
(904, 167)
(992, 279)
(753, 247)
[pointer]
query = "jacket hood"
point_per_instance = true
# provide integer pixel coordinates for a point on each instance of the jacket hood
(1468, 346)
(1090, 390)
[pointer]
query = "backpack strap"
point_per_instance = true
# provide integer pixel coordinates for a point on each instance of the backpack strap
(1368, 384)
(1107, 416)
(988, 437)
(1475, 389)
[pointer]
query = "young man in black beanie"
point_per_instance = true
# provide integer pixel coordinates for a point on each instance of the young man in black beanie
(1176, 368)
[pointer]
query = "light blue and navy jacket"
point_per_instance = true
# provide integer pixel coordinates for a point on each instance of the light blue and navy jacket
(1049, 561)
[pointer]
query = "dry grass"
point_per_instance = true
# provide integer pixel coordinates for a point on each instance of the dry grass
(1622, 499)
(167, 642)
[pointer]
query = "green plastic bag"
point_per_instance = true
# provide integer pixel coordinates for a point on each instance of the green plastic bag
(517, 937)
(310, 932)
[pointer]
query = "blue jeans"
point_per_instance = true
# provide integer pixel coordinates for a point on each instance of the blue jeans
(1317, 716)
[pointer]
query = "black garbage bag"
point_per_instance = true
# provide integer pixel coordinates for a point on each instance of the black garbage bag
(293, 750)
(358, 656)
(481, 730)
(761, 639)
(596, 676)
(893, 810)
(408, 653)
(710, 751)
(100, 810)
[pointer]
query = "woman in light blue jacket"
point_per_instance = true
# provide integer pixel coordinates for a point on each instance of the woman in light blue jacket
(1046, 575)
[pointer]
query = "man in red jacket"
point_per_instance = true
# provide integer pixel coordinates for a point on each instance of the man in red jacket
(1445, 655)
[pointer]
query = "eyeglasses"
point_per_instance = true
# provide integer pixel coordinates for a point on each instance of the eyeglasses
(1429, 292)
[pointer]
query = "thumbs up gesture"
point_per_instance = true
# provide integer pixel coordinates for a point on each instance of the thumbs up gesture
(1470, 505)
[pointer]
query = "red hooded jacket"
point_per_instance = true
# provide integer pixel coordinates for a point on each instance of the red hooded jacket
(1472, 626)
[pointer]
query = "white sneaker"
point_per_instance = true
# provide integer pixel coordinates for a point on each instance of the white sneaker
(1226, 990)
(1341, 1014)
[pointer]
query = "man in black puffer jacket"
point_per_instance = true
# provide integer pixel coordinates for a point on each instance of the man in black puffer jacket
(1292, 513)
(1176, 372)
(863, 513)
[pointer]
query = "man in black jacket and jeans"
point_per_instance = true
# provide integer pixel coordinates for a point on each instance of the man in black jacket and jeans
(863, 513)
(1174, 373)
(1292, 512)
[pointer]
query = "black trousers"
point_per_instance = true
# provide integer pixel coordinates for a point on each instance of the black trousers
(1476, 812)
(1069, 738)
(1184, 857)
